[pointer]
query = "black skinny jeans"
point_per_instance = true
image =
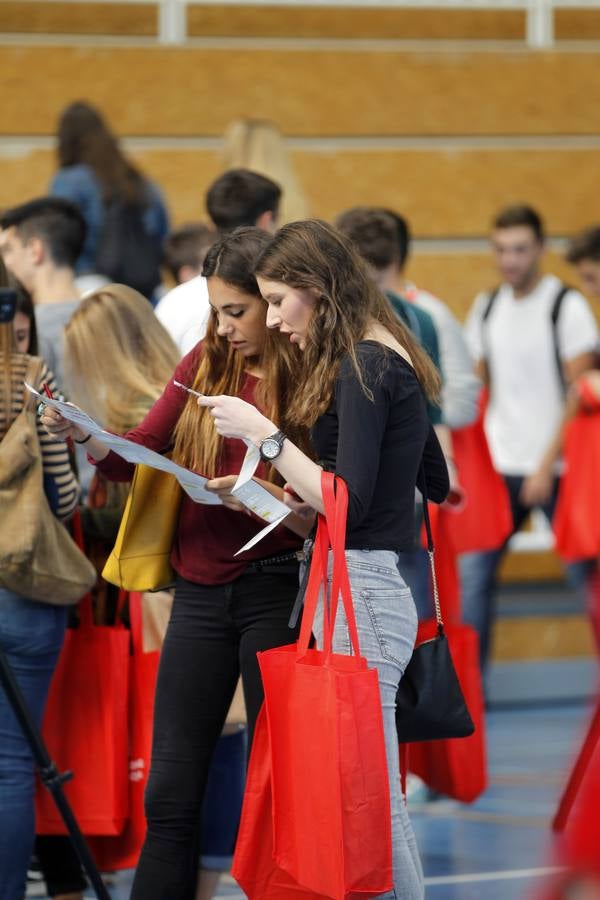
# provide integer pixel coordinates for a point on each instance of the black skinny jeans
(213, 635)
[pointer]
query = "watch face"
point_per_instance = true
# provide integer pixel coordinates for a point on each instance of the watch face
(270, 448)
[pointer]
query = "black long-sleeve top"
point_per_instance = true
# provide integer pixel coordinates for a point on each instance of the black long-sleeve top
(377, 446)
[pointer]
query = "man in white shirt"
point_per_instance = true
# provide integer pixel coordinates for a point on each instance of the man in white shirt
(530, 338)
(238, 197)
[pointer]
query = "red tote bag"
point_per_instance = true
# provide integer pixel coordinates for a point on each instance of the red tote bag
(254, 866)
(484, 520)
(122, 852)
(85, 728)
(331, 801)
(576, 520)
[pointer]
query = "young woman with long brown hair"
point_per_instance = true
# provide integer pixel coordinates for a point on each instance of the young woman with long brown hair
(226, 608)
(360, 387)
(94, 173)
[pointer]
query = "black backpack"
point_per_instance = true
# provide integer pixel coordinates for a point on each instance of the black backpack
(126, 252)
(556, 307)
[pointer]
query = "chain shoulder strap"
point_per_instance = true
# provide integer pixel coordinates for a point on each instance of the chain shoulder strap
(431, 552)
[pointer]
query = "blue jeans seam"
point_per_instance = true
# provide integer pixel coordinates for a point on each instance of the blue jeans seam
(366, 596)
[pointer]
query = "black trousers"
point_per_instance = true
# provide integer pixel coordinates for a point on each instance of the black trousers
(214, 635)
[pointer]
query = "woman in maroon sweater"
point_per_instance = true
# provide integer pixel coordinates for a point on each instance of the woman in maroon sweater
(226, 608)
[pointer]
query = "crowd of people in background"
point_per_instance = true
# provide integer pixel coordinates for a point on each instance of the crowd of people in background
(261, 303)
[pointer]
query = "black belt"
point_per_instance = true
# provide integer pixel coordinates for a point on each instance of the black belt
(283, 564)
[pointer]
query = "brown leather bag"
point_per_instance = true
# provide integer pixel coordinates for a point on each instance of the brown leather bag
(38, 558)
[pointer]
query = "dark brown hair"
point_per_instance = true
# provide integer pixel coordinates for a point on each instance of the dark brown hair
(188, 246)
(85, 138)
(520, 215)
(239, 197)
(373, 233)
(57, 222)
(312, 255)
(222, 369)
(585, 246)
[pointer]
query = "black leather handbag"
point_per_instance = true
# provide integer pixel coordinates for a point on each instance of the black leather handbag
(429, 703)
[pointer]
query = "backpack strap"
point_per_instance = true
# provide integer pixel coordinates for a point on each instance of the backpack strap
(486, 314)
(556, 308)
(490, 303)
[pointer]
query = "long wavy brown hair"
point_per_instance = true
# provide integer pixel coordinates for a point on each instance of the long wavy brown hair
(312, 255)
(222, 369)
(85, 138)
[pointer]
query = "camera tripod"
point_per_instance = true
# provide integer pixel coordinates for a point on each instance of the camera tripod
(51, 778)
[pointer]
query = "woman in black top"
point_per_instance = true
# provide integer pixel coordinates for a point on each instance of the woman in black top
(362, 389)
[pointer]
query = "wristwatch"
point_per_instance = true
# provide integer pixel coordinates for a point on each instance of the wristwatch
(271, 447)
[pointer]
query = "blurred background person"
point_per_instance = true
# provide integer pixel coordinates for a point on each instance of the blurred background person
(31, 633)
(185, 249)
(235, 199)
(24, 321)
(40, 242)
(461, 387)
(531, 338)
(57, 862)
(258, 145)
(125, 213)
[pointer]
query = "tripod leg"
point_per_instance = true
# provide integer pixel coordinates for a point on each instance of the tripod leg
(50, 775)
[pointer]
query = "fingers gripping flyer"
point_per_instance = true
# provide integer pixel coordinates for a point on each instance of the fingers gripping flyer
(254, 497)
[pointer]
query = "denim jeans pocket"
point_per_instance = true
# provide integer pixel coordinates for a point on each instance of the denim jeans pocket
(392, 620)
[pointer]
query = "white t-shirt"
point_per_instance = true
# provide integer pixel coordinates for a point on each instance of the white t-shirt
(526, 397)
(184, 312)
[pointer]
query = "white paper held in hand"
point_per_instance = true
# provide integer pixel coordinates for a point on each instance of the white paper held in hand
(194, 485)
(253, 495)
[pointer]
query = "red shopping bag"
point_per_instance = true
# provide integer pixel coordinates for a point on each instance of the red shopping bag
(331, 801)
(456, 767)
(484, 520)
(122, 852)
(85, 727)
(254, 866)
(576, 521)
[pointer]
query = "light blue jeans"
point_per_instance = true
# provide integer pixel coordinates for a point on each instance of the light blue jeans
(386, 620)
(31, 635)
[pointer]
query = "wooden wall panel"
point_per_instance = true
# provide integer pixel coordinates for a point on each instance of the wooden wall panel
(444, 194)
(184, 176)
(300, 21)
(29, 17)
(577, 24)
(455, 193)
(191, 91)
(542, 637)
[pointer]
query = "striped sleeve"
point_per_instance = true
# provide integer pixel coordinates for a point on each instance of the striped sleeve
(60, 482)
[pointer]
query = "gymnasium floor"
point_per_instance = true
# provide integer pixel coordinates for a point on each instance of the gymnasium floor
(497, 848)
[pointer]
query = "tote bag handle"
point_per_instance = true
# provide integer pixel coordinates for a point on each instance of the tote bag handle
(331, 533)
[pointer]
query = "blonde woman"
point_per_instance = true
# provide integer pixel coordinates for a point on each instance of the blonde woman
(118, 358)
(258, 145)
(31, 633)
